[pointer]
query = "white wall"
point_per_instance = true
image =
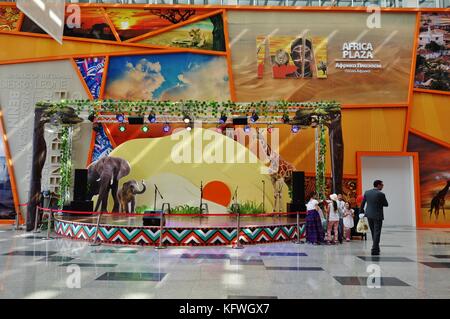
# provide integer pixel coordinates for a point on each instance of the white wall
(397, 174)
(21, 86)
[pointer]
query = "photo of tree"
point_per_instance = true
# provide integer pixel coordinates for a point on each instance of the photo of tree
(93, 25)
(131, 23)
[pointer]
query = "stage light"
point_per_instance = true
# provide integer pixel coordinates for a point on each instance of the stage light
(186, 119)
(247, 129)
(152, 118)
(122, 128)
(285, 118)
(254, 117)
(189, 128)
(120, 118)
(295, 128)
(166, 127)
(223, 119)
(144, 129)
(91, 117)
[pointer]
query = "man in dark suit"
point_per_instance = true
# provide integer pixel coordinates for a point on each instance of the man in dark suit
(375, 200)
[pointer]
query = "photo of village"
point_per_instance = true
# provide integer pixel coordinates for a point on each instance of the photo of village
(433, 53)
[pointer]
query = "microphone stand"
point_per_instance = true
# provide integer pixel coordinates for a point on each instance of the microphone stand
(263, 196)
(156, 192)
(235, 195)
(201, 199)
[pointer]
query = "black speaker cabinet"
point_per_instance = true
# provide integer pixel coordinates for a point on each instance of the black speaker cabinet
(80, 185)
(298, 188)
(295, 207)
(153, 220)
(80, 206)
(135, 120)
(241, 120)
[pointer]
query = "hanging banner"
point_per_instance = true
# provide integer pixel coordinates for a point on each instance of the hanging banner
(48, 14)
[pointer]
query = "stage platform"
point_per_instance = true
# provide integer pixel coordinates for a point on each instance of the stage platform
(180, 230)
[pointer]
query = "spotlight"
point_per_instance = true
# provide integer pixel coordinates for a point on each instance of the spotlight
(186, 119)
(285, 118)
(254, 117)
(152, 118)
(295, 128)
(247, 129)
(223, 119)
(120, 118)
(166, 127)
(144, 129)
(91, 117)
(122, 128)
(189, 128)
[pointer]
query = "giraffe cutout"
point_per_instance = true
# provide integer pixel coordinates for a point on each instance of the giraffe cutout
(438, 201)
(280, 171)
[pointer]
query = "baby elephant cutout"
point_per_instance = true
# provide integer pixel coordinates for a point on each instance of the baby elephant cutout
(127, 194)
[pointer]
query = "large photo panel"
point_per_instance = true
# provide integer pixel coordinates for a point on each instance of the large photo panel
(308, 56)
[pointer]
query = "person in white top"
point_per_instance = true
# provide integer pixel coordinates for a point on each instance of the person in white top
(341, 207)
(314, 229)
(333, 218)
(348, 220)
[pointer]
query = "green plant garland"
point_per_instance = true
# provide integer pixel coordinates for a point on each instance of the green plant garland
(192, 107)
(320, 165)
(66, 166)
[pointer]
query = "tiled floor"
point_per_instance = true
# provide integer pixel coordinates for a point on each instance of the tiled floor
(412, 264)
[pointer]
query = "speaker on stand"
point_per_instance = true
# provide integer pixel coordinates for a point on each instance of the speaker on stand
(298, 192)
(80, 190)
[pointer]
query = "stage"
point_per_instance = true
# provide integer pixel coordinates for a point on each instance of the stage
(180, 230)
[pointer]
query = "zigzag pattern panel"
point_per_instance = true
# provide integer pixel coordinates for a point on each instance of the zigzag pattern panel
(178, 236)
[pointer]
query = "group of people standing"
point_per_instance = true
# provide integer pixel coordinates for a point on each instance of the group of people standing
(338, 217)
(337, 220)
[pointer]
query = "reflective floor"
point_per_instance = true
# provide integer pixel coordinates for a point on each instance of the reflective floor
(413, 264)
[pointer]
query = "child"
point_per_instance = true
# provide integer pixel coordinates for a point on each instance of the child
(348, 220)
(333, 218)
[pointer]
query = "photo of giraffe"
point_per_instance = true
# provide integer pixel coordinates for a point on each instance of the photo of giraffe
(434, 179)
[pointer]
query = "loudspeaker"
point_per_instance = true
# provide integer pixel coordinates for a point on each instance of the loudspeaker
(295, 207)
(134, 120)
(298, 189)
(80, 206)
(241, 120)
(80, 185)
(153, 220)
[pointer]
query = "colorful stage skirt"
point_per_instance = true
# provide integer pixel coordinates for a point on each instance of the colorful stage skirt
(314, 228)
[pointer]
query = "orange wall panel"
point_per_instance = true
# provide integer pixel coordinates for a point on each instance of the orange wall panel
(28, 47)
(371, 130)
(430, 114)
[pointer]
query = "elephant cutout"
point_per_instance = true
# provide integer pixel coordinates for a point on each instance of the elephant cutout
(103, 177)
(127, 194)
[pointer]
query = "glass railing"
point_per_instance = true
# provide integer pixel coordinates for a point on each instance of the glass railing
(304, 3)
